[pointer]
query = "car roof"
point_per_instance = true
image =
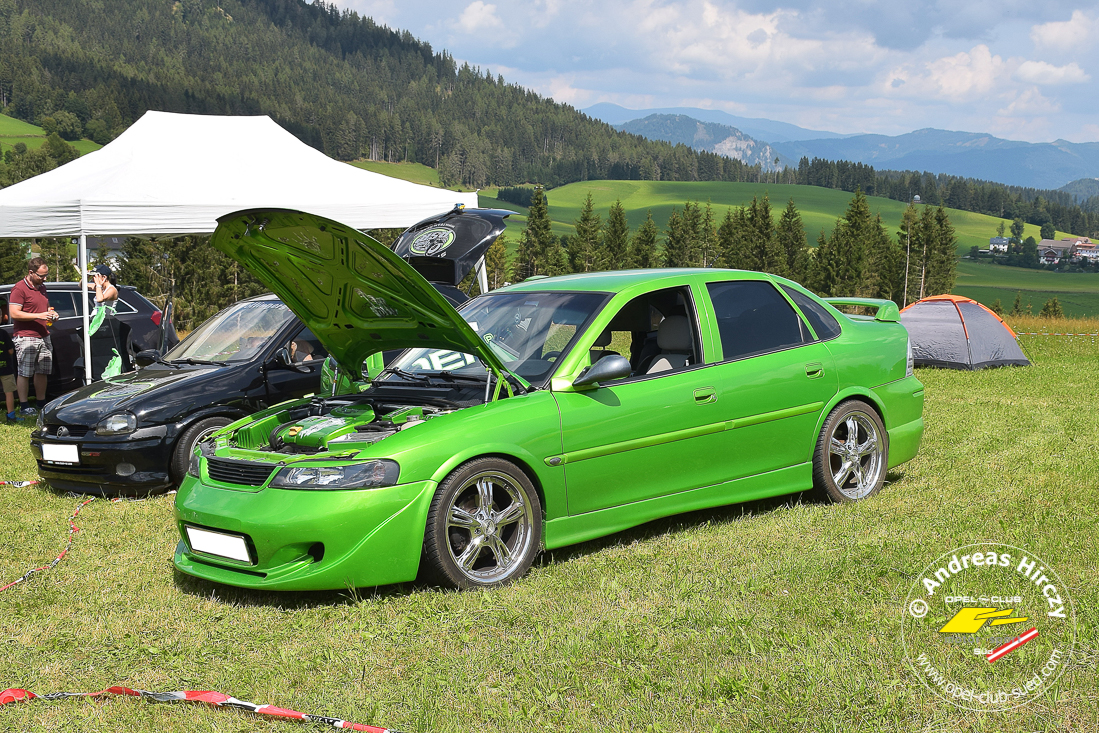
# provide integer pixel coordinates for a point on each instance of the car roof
(69, 285)
(618, 280)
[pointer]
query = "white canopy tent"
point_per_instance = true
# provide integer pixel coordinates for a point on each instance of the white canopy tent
(175, 174)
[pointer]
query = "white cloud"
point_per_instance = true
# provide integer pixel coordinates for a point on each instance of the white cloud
(1039, 72)
(1077, 33)
(479, 16)
(1029, 102)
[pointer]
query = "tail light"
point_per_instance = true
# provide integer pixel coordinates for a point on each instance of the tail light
(155, 317)
(908, 371)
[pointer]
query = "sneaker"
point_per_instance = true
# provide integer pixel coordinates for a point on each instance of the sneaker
(13, 416)
(28, 412)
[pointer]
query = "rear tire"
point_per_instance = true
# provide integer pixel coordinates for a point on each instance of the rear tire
(185, 446)
(484, 528)
(852, 453)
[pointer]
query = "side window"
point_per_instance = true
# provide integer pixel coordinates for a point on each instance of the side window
(120, 307)
(820, 319)
(754, 318)
(657, 332)
(62, 302)
(305, 347)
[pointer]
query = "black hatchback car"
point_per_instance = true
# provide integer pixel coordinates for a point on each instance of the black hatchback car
(135, 433)
(144, 322)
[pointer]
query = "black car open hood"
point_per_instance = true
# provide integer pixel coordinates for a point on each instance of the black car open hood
(445, 248)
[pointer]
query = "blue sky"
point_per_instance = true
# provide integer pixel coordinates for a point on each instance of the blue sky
(1019, 70)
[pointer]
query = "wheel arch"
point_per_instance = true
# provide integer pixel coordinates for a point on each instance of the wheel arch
(846, 395)
(180, 427)
(522, 462)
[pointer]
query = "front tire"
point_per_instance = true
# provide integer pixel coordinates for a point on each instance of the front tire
(192, 436)
(484, 527)
(852, 452)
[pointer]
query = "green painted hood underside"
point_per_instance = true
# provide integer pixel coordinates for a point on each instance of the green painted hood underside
(356, 295)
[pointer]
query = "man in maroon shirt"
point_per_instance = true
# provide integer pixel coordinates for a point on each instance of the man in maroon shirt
(31, 315)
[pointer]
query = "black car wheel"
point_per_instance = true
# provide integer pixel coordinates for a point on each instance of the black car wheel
(484, 527)
(191, 437)
(849, 463)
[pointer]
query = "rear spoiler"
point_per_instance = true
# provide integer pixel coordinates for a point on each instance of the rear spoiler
(885, 310)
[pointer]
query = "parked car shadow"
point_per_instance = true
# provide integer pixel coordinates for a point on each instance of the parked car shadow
(728, 514)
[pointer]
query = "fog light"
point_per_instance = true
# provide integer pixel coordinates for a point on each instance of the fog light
(125, 469)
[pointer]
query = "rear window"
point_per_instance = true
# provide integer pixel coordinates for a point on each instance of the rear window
(754, 318)
(823, 323)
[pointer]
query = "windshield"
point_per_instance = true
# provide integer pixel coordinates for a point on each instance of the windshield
(238, 333)
(528, 332)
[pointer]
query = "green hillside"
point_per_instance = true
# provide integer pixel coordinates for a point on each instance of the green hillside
(13, 131)
(820, 207)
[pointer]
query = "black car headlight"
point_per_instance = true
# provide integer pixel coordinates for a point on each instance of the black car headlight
(41, 422)
(365, 475)
(120, 423)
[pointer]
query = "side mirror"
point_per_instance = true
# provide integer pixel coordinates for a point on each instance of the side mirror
(604, 370)
(146, 357)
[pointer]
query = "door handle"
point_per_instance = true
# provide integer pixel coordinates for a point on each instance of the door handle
(705, 395)
(814, 370)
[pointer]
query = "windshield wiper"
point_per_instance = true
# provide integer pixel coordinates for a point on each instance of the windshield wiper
(158, 359)
(405, 375)
(450, 376)
(189, 360)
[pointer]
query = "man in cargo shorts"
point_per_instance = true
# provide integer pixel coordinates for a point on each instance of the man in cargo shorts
(31, 313)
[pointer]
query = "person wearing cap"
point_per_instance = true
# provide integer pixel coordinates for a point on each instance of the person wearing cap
(103, 283)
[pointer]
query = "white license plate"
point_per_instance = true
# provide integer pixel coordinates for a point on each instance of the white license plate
(60, 453)
(216, 543)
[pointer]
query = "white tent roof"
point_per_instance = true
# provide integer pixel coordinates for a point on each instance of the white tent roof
(176, 174)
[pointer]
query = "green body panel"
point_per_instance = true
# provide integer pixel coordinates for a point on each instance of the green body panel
(885, 310)
(602, 458)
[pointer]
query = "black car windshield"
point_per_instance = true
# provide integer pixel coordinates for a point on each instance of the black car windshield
(236, 334)
(528, 332)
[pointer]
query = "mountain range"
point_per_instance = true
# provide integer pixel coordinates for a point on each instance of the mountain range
(711, 136)
(969, 154)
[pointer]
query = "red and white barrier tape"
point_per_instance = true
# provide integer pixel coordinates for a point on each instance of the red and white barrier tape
(1033, 333)
(209, 697)
(19, 484)
(73, 529)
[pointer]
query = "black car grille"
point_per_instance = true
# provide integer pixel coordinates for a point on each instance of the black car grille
(245, 473)
(66, 431)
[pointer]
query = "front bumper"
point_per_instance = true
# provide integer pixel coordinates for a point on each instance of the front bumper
(147, 450)
(307, 540)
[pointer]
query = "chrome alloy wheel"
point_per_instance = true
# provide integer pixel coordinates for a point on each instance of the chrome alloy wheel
(855, 455)
(489, 527)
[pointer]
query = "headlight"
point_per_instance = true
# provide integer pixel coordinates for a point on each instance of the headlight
(367, 475)
(121, 423)
(908, 371)
(41, 421)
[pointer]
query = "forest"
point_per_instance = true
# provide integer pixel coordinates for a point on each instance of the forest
(89, 68)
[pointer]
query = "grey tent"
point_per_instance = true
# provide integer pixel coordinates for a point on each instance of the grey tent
(953, 332)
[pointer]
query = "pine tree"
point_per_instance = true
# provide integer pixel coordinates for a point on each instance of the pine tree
(616, 238)
(692, 225)
(733, 238)
(942, 265)
(840, 267)
(496, 262)
(1052, 309)
(56, 252)
(909, 238)
(790, 235)
(643, 245)
(13, 260)
(997, 307)
(765, 252)
(539, 251)
(884, 276)
(586, 246)
(708, 251)
(1017, 306)
(677, 241)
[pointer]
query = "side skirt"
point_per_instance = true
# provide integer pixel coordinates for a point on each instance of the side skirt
(584, 527)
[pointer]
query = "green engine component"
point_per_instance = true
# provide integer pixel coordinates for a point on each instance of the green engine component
(315, 432)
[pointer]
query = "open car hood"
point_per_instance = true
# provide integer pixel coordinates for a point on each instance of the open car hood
(445, 248)
(356, 295)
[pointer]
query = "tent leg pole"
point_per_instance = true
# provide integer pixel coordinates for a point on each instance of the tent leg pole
(82, 259)
(482, 275)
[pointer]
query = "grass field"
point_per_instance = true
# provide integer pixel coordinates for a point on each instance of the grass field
(14, 131)
(782, 615)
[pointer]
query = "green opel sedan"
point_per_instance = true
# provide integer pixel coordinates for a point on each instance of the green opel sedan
(539, 415)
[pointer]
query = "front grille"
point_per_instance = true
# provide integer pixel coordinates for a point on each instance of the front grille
(73, 431)
(244, 473)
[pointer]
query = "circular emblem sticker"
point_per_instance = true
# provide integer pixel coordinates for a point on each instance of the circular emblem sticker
(988, 627)
(432, 241)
